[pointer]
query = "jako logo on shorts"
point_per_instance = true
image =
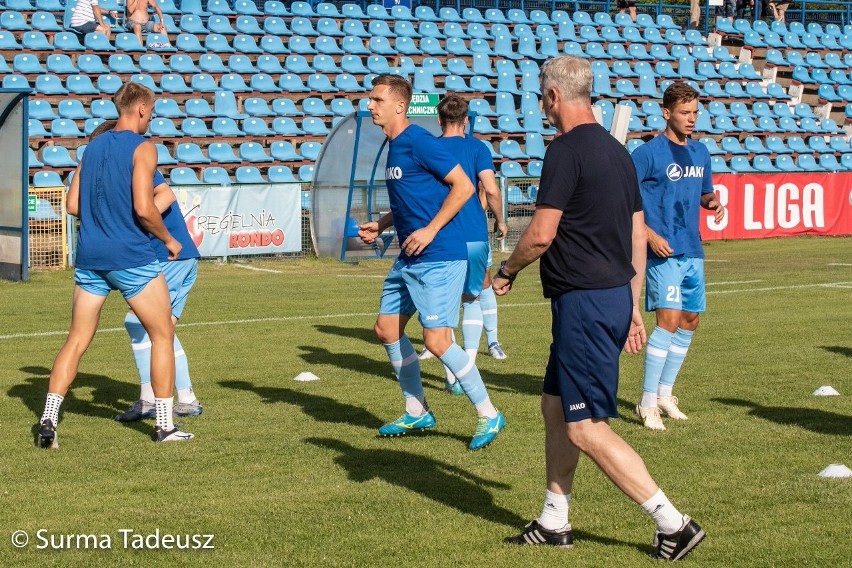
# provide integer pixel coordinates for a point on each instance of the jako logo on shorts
(393, 173)
(579, 406)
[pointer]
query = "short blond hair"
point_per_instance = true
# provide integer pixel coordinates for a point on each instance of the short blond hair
(131, 94)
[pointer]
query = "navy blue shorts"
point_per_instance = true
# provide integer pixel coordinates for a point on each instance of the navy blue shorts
(589, 330)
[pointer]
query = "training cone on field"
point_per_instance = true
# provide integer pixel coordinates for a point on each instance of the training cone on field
(306, 377)
(836, 470)
(826, 391)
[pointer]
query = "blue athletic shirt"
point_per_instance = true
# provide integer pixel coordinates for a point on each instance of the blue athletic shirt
(110, 237)
(672, 179)
(474, 158)
(416, 167)
(176, 224)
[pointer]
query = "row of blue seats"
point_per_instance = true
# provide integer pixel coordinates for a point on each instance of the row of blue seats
(731, 146)
(811, 59)
(190, 153)
(193, 127)
(224, 104)
(215, 175)
(742, 26)
(783, 163)
(648, 87)
(817, 77)
(687, 68)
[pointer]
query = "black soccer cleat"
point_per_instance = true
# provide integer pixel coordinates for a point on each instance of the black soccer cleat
(173, 435)
(677, 545)
(534, 533)
(47, 435)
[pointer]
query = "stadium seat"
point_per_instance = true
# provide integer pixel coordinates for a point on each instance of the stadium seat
(45, 22)
(254, 126)
(164, 127)
(174, 83)
(283, 151)
(49, 84)
(221, 7)
(47, 179)
(183, 176)
(163, 107)
(263, 83)
(219, 24)
(40, 109)
(144, 79)
(808, 163)
(314, 126)
(190, 153)
(286, 126)
(754, 145)
(731, 145)
(109, 84)
(217, 43)
(254, 153)
(27, 63)
(222, 153)
(234, 82)
(72, 109)
(248, 175)
(204, 83)
(8, 41)
(280, 174)
(306, 173)
(57, 157)
(32, 159)
(741, 164)
(58, 64)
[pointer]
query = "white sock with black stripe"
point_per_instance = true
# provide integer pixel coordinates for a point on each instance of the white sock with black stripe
(554, 513)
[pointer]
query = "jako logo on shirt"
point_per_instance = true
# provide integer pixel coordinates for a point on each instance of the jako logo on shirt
(675, 172)
(393, 173)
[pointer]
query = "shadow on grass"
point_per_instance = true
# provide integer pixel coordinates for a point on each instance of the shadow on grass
(839, 350)
(320, 408)
(441, 482)
(363, 333)
(812, 419)
(107, 396)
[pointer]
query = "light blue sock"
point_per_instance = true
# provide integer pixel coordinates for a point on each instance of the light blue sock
(406, 366)
(463, 367)
(181, 368)
(471, 325)
(677, 353)
(655, 360)
(141, 345)
(488, 304)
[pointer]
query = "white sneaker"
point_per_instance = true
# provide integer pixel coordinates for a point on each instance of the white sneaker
(425, 354)
(496, 350)
(651, 417)
(668, 404)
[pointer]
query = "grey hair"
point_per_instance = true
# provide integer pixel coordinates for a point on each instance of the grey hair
(571, 76)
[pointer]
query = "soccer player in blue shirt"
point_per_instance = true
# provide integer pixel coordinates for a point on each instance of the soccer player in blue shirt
(114, 198)
(476, 162)
(429, 274)
(675, 179)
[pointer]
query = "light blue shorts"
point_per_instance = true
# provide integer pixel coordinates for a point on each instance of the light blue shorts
(180, 276)
(431, 288)
(478, 255)
(129, 281)
(675, 283)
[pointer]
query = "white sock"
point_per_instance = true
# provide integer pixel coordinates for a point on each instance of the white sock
(164, 413)
(649, 400)
(665, 391)
(669, 520)
(186, 396)
(486, 409)
(415, 405)
(554, 513)
(472, 353)
(51, 408)
(146, 393)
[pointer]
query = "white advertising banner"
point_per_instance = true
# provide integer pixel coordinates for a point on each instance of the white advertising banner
(243, 219)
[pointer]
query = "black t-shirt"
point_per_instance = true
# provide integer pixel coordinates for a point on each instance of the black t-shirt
(591, 178)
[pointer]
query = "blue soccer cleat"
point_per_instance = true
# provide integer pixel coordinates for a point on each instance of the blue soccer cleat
(454, 389)
(487, 430)
(408, 423)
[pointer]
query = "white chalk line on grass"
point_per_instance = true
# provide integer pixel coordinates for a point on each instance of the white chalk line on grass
(256, 269)
(839, 264)
(372, 314)
(737, 282)
(715, 260)
(361, 275)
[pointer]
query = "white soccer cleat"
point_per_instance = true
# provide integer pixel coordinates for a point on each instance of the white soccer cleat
(496, 350)
(668, 405)
(650, 417)
(426, 354)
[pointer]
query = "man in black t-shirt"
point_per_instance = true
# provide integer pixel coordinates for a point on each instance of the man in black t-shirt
(589, 231)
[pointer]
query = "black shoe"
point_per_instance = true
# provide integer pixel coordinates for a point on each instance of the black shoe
(173, 435)
(47, 435)
(534, 533)
(677, 545)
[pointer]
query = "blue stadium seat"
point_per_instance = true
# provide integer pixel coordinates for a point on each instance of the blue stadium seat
(285, 106)
(233, 82)
(256, 106)
(57, 157)
(254, 126)
(286, 126)
(16, 82)
(164, 158)
(183, 176)
(763, 163)
(204, 83)
(144, 79)
(190, 153)
(222, 153)
(283, 151)
(40, 109)
(32, 159)
(59, 64)
(188, 43)
(731, 145)
(72, 109)
(280, 174)
(163, 107)
(263, 83)
(47, 179)
(27, 63)
(246, 44)
(808, 163)
(217, 43)
(49, 84)
(483, 125)
(63, 128)
(109, 84)
(254, 153)
(276, 27)
(830, 163)
(314, 126)
(219, 24)
(741, 164)
(192, 24)
(148, 63)
(310, 150)
(270, 64)
(174, 83)
(248, 175)
(247, 24)
(164, 127)
(306, 173)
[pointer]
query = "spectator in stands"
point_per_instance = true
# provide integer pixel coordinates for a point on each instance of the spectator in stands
(727, 10)
(139, 21)
(87, 17)
(694, 14)
(754, 5)
(588, 229)
(629, 5)
(675, 178)
(778, 10)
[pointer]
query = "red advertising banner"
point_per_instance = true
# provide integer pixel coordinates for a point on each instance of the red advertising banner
(778, 205)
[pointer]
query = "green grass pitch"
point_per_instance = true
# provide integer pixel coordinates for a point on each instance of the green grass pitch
(286, 473)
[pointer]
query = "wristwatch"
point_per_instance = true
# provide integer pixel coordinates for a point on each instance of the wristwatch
(501, 272)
